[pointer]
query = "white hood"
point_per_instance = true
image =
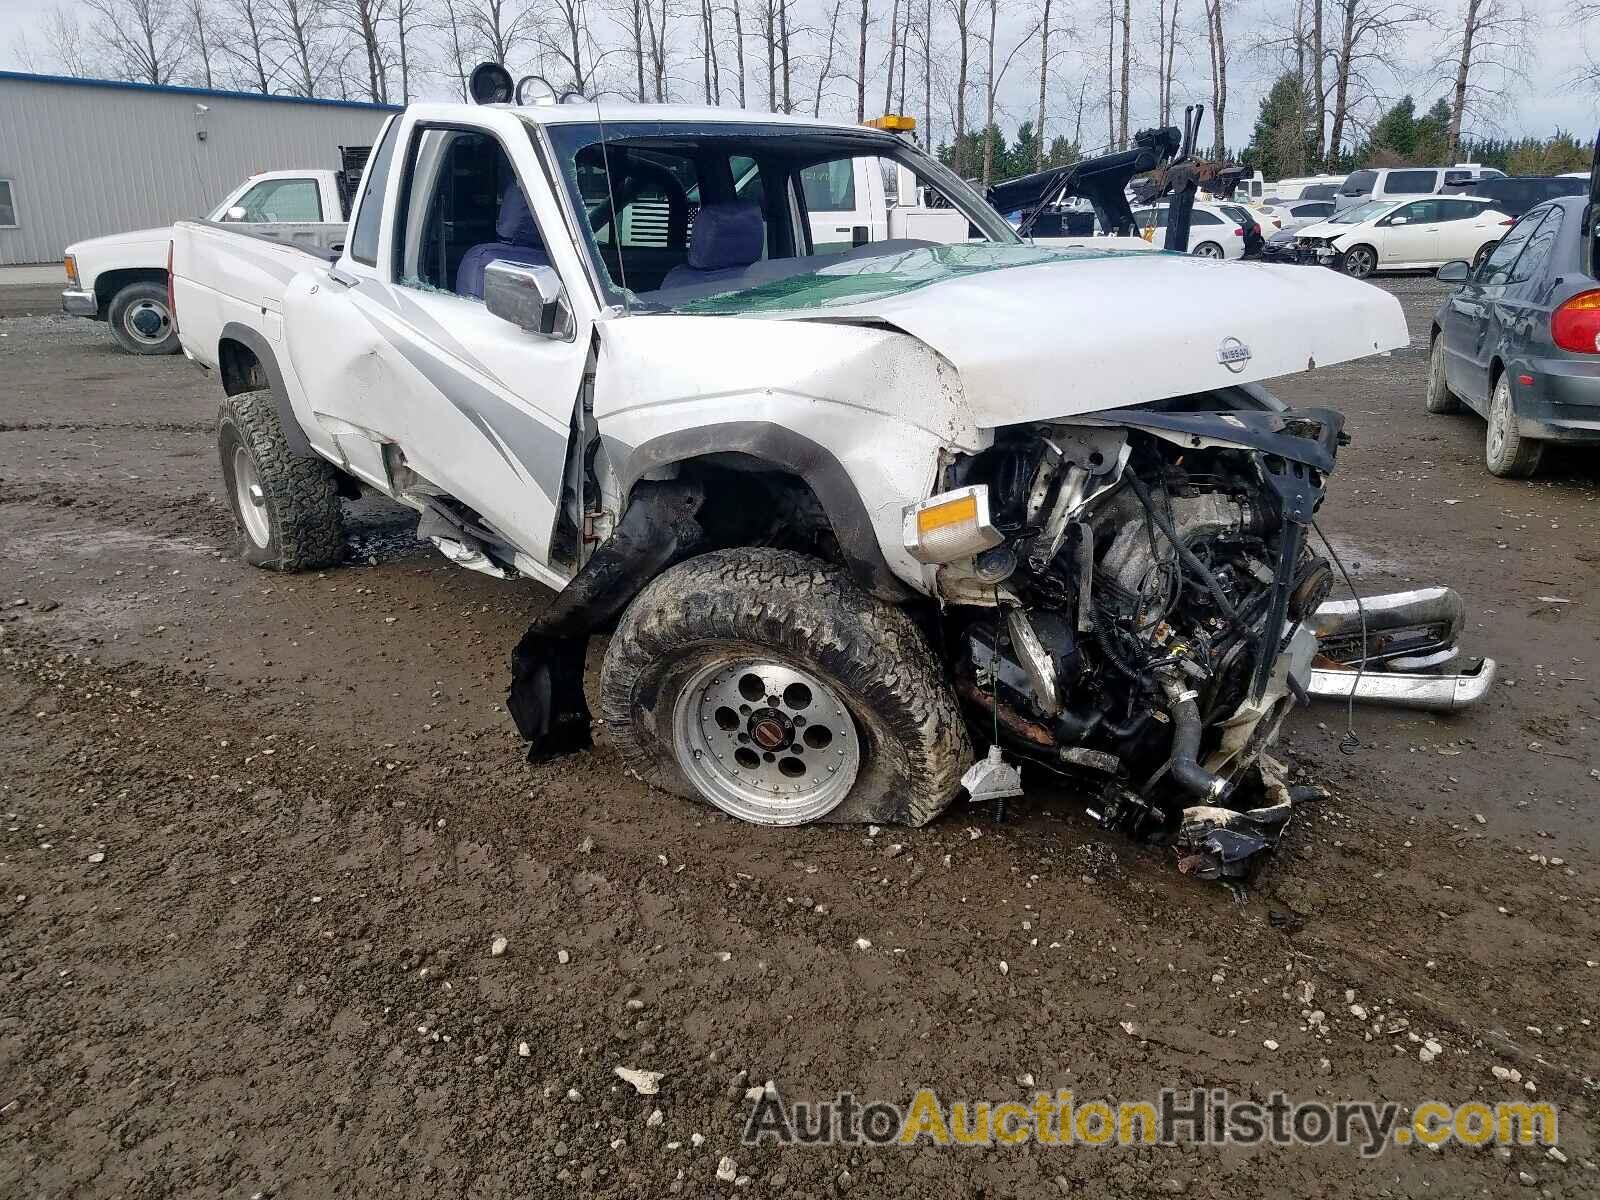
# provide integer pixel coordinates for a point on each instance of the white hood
(1105, 331)
(135, 237)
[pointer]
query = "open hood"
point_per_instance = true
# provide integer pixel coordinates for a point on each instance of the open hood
(1083, 331)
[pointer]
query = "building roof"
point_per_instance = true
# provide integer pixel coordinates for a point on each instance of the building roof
(175, 90)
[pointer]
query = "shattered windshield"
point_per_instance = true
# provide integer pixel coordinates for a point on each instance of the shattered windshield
(888, 273)
(675, 213)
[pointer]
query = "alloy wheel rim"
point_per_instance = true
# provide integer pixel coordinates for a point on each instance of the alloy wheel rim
(252, 500)
(765, 741)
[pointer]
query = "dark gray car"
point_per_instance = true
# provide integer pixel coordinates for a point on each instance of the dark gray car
(1519, 340)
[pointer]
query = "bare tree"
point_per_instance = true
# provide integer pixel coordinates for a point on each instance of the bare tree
(201, 33)
(961, 14)
(146, 39)
(992, 80)
(1371, 36)
(64, 33)
(826, 70)
(499, 27)
(1485, 53)
(1111, 73)
(1044, 79)
(297, 34)
(407, 15)
(738, 43)
(364, 19)
(456, 42)
(656, 15)
(894, 48)
(566, 38)
(1217, 42)
(245, 43)
(783, 51)
(861, 62)
(1127, 52)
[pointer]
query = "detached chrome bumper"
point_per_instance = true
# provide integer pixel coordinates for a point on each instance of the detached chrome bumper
(1435, 693)
(1405, 631)
(79, 304)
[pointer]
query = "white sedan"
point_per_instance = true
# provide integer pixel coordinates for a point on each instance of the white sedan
(1213, 233)
(1404, 235)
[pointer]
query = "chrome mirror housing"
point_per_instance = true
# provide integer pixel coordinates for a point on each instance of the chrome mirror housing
(530, 297)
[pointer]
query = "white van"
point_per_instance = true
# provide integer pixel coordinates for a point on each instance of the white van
(1396, 183)
(1294, 189)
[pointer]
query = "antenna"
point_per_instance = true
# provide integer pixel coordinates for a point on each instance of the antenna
(616, 217)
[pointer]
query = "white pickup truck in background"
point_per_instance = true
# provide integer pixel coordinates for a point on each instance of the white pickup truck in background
(122, 278)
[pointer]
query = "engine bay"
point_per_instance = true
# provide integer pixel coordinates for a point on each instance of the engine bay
(1142, 626)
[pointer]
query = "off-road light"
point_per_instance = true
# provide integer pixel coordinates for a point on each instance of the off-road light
(490, 83)
(950, 526)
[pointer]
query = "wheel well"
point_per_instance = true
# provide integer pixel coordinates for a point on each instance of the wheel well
(1496, 369)
(749, 502)
(240, 368)
(108, 283)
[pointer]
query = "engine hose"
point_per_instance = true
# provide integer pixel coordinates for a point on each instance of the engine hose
(1116, 658)
(1183, 765)
(1189, 557)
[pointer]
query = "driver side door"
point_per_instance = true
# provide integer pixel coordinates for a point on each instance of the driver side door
(1410, 234)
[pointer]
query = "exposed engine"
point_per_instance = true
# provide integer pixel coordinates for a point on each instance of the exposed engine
(1145, 624)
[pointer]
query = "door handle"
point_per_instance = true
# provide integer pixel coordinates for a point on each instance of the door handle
(841, 229)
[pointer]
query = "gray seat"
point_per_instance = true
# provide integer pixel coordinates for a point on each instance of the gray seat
(727, 239)
(519, 243)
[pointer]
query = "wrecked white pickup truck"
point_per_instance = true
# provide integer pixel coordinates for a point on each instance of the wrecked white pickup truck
(844, 515)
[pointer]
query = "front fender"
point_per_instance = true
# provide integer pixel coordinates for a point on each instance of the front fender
(861, 413)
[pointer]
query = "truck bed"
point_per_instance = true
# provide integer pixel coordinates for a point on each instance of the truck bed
(223, 274)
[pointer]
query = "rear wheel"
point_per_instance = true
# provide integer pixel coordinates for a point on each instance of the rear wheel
(1507, 453)
(1483, 253)
(1440, 399)
(1208, 250)
(769, 685)
(141, 321)
(1360, 261)
(286, 504)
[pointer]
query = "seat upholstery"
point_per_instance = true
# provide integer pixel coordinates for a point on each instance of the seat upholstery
(519, 243)
(727, 239)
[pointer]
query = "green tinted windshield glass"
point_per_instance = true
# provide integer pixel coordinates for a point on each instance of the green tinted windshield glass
(864, 280)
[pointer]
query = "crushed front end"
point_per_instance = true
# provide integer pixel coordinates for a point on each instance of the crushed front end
(1133, 607)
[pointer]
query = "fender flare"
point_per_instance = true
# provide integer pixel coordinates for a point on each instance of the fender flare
(781, 447)
(258, 345)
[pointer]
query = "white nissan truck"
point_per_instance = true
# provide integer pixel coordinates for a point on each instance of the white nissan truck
(121, 278)
(868, 529)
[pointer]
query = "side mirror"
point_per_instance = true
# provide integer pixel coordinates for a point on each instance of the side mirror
(531, 298)
(1455, 272)
(236, 213)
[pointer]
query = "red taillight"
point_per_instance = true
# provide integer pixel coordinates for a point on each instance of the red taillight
(1509, 221)
(1238, 233)
(172, 303)
(1575, 325)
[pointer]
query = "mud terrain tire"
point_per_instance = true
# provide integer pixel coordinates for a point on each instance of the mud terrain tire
(298, 524)
(796, 610)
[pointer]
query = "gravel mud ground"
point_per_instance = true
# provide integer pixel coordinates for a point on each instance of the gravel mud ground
(260, 832)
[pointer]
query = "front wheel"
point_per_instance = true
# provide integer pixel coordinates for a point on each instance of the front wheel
(1505, 451)
(769, 685)
(1208, 250)
(1360, 261)
(141, 321)
(286, 504)
(1440, 399)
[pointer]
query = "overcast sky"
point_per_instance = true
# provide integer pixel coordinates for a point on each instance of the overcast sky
(1546, 100)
